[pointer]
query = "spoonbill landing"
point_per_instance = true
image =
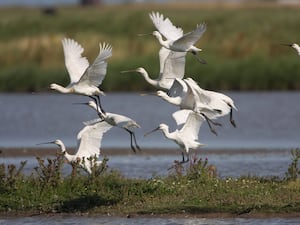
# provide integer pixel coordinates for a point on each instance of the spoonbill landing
(187, 136)
(89, 143)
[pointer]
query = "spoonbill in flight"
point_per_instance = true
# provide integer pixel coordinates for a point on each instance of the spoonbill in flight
(294, 46)
(84, 78)
(184, 96)
(216, 100)
(120, 121)
(89, 143)
(172, 66)
(187, 136)
(175, 39)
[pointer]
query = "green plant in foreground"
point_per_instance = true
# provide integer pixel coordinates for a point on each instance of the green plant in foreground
(293, 171)
(192, 188)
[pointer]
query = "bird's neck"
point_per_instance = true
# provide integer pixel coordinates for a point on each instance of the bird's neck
(69, 157)
(60, 88)
(172, 100)
(167, 133)
(148, 79)
(164, 43)
(66, 154)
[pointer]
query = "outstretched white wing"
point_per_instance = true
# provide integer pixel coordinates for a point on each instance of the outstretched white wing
(181, 116)
(165, 26)
(192, 37)
(95, 74)
(192, 126)
(89, 139)
(75, 63)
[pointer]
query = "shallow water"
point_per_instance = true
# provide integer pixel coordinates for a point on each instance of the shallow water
(233, 164)
(74, 220)
(264, 120)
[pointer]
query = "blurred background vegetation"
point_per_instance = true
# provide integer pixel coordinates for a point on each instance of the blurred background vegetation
(242, 45)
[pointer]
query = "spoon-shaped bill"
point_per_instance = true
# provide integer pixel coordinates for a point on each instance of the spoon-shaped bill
(156, 129)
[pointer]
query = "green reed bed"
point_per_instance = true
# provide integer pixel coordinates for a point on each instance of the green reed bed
(241, 45)
(193, 188)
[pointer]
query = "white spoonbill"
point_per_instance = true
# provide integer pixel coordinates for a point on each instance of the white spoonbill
(175, 39)
(89, 143)
(172, 66)
(294, 46)
(187, 136)
(216, 100)
(120, 121)
(84, 78)
(184, 96)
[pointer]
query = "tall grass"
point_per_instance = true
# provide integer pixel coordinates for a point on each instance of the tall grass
(241, 45)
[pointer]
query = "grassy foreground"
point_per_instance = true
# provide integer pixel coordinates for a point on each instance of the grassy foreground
(241, 45)
(190, 189)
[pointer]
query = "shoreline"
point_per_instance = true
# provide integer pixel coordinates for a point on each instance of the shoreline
(33, 151)
(208, 215)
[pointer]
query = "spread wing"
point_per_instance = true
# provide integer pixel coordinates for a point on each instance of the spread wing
(192, 126)
(97, 71)
(172, 66)
(192, 37)
(165, 26)
(89, 139)
(75, 63)
(181, 116)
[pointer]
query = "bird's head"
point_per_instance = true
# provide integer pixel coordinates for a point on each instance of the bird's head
(156, 34)
(161, 94)
(161, 126)
(53, 86)
(56, 142)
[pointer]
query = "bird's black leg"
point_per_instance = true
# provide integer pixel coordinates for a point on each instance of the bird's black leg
(231, 118)
(209, 121)
(135, 142)
(183, 159)
(95, 100)
(131, 142)
(101, 108)
(198, 58)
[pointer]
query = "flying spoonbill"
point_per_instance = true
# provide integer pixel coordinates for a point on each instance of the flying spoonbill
(89, 143)
(175, 39)
(216, 100)
(172, 66)
(294, 46)
(84, 78)
(184, 96)
(187, 136)
(120, 121)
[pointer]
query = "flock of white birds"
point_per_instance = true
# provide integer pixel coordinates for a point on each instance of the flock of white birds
(196, 105)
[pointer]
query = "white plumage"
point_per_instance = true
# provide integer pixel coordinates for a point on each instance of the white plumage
(88, 144)
(175, 39)
(187, 136)
(84, 78)
(172, 66)
(120, 121)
